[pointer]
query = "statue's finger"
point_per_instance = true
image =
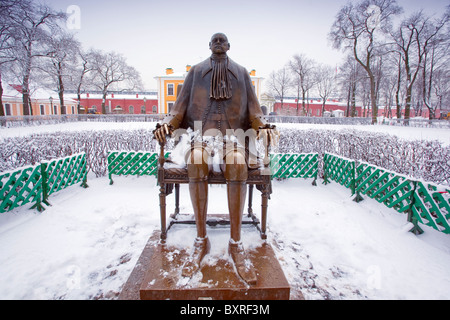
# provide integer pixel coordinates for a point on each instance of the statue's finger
(158, 135)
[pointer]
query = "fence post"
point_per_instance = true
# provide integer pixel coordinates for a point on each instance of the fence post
(84, 168)
(411, 217)
(44, 176)
(358, 198)
(325, 176)
(40, 194)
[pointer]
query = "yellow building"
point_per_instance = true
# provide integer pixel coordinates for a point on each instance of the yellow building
(168, 87)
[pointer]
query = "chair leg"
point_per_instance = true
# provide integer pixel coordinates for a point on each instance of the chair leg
(250, 200)
(264, 206)
(162, 208)
(177, 201)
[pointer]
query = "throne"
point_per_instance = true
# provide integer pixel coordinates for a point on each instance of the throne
(168, 178)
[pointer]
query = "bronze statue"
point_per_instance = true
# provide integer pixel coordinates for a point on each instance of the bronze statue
(219, 94)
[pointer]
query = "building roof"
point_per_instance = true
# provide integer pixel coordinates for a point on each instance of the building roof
(14, 91)
(117, 96)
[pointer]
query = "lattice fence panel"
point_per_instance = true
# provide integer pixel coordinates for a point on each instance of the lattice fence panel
(431, 206)
(64, 172)
(340, 170)
(294, 165)
(20, 187)
(133, 163)
(394, 190)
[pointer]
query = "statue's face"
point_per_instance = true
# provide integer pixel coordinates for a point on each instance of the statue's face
(219, 43)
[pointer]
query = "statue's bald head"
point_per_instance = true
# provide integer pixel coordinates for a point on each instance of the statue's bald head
(219, 34)
(219, 43)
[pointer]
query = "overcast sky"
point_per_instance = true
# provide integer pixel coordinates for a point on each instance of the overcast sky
(154, 35)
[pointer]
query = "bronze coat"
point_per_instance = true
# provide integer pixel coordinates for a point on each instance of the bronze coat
(242, 109)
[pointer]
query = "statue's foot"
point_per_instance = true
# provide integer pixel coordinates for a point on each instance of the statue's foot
(243, 265)
(192, 265)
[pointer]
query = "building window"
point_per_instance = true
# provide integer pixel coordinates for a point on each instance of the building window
(73, 109)
(131, 109)
(318, 112)
(55, 109)
(169, 106)
(154, 109)
(170, 89)
(42, 109)
(7, 109)
(142, 109)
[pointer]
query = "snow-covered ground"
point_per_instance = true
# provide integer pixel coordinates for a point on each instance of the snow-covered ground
(86, 244)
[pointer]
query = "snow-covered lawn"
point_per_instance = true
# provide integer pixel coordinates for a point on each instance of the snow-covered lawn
(86, 244)
(413, 133)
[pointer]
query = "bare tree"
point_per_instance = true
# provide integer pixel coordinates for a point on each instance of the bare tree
(111, 69)
(361, 28)
(435, 65)
(441, 87)
(413, 38)
(33, 24)
(83, 67)
(389, 84)
(349, 77)
(62, 48)
(8, 9)
(302, 67)
(325, 83)
(280, 83)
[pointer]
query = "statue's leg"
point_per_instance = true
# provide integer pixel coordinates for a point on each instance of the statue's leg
(198, 188)
(236, 174)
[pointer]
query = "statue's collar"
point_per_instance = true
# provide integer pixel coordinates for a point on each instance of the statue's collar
(232, 67)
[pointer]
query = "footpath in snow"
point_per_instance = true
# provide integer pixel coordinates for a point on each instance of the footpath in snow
(86, 244)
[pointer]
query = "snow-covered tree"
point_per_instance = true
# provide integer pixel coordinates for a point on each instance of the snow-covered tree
(414, 39)
(326, 84)
(62, 49)
(361, 28)
(280, 83)
(33, 25)
(111, 69)
(302, 67)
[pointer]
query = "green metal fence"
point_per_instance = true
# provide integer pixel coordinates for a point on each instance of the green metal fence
(431, 205)
(20, 187)
(146, 163)
(34, 184)
(64, 172)
(340, 170)
(294, 165)
(424, 202)
(132, 163)
(393, 190)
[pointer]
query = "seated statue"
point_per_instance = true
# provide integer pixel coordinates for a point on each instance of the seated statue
(218, 97)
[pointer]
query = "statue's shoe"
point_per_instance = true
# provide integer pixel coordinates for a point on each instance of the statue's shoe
(192, 264)
(243, 265)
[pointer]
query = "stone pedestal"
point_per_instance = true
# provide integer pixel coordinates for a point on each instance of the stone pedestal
(157, 276)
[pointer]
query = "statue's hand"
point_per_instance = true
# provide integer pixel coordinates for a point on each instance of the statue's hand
(162, 131)
(270, 134)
